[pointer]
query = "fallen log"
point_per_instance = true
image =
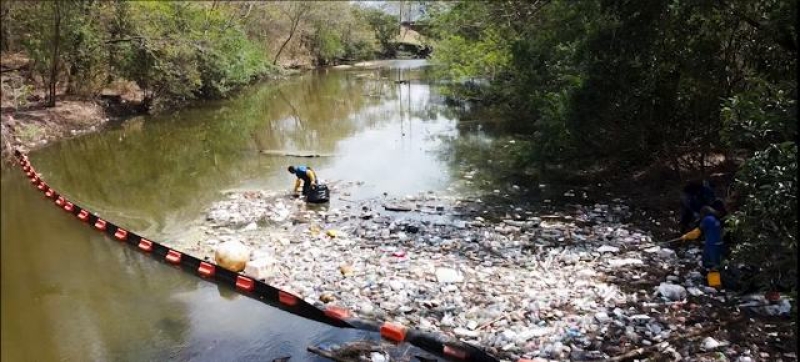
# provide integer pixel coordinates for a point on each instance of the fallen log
(5, 70)
(350, 352)
(282, 153)
(316, 350)
(401, 208)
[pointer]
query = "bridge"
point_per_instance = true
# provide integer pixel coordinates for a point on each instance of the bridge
(418, 26)
(411, 40)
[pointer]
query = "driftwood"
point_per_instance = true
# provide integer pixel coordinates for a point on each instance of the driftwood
(504, 316)
(293, 154)
(398, 208)
(316, 350)
(347, 353)
(645, 350)
(567, 219)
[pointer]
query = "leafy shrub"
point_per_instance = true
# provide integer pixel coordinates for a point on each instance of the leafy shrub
(765, 227)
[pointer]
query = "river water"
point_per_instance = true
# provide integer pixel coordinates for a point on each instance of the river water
(68, 294)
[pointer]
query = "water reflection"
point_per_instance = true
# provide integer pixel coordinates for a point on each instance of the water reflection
(70, 294)
(155, 174)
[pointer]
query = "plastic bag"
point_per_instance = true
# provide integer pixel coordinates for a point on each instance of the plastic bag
(319, 195)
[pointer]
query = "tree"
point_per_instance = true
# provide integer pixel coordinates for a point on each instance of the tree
(56, 39)
(176, 51)
(623, 86)
(295, 12)
(385, 27)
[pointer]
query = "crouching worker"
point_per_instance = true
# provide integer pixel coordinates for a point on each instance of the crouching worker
(694, 196)
(711, 228)
(305, 175)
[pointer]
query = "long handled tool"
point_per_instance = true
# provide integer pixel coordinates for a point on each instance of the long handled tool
(659, 243)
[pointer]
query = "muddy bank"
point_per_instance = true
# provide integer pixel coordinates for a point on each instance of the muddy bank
(30, 129)
(581, 284)
(27, 123)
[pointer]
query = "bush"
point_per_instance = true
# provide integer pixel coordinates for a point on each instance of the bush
(766, 225)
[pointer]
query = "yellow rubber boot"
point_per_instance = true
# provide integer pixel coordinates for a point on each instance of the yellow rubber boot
(714, 279)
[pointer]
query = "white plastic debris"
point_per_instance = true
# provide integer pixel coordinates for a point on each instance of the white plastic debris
(710, 344)
(623, 262)
(261, 268)
(607, 249)
(672, 292)
(447, 275)
(377, 357)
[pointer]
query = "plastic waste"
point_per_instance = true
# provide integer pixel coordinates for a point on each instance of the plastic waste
(672, 292)
(319, 195)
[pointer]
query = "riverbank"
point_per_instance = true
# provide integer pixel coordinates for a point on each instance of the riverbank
(579, 283)
(28, 124)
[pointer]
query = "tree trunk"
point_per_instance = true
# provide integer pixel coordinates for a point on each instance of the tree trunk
(280, 50)
(6, 20)
(51, 102)
(295, 15)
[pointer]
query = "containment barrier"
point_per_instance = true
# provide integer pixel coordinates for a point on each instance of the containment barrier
(331, 315)
(83, 215)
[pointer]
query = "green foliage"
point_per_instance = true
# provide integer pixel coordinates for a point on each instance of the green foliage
(586, 74)
(82, 37)
(37, 24)
(326, 45)
(760, 115)
(160, 57)
(629, 84)
(766, 225)
(385, 27)
(179, 51)
(30, 132)
(339, 31)
(474, 51)
(226, 58)
(174, 51)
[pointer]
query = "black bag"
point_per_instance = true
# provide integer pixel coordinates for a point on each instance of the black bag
(320, 195)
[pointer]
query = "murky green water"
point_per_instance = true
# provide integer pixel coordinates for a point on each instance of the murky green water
(68, 294)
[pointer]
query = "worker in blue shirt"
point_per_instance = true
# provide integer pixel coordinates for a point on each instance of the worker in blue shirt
(711, 228)
(305, 175)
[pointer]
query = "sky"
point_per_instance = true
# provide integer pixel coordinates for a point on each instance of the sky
(386, 5)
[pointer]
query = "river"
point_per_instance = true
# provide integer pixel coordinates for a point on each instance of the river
(70, 295)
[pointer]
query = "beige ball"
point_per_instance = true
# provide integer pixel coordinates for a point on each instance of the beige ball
(232, 255)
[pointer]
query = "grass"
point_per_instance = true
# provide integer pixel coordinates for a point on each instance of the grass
(30, 133)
